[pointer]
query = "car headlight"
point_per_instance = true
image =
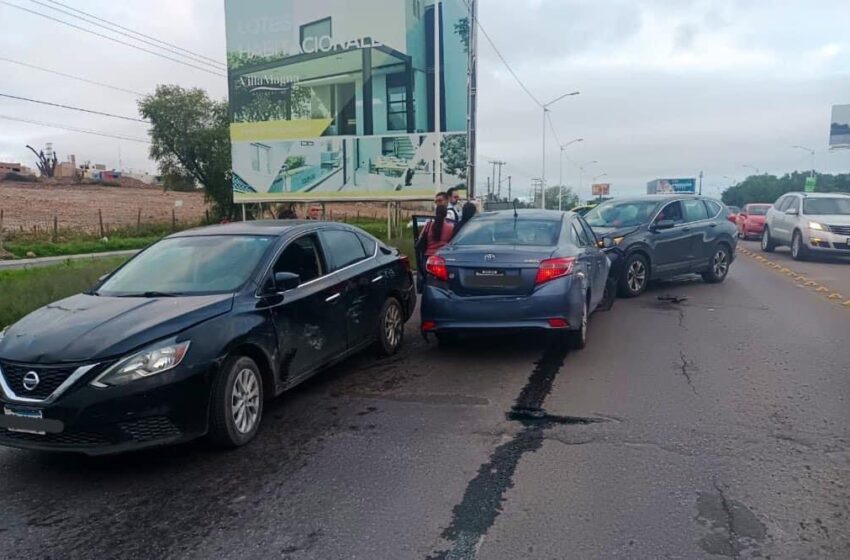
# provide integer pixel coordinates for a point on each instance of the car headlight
(818, 226)
(151, 361)
(618, 240)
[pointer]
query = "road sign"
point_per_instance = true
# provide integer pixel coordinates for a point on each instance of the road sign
(811, 183)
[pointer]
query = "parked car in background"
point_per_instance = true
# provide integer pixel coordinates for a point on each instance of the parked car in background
(810, 223)
(732, 213)
(666, 235)
(750, 220)
(510, 270)
(191, 336)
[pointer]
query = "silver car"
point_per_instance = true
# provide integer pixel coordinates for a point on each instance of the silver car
(810, 223)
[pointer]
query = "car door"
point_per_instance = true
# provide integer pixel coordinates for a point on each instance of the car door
(307, 318)
(360, 281)
(602, 263)
(700, 229)
(671, 247)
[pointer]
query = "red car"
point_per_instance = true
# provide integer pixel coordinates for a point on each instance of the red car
(750, 220)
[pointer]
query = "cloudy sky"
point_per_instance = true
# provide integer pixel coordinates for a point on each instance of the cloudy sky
(668, 88)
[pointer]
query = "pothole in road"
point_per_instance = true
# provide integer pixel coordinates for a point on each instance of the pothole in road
(539, 417)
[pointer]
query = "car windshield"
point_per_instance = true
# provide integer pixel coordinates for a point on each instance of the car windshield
(827, 206)
(622, 214)
(758, 210)
(189, 266)
(734, 209)
(520, 231)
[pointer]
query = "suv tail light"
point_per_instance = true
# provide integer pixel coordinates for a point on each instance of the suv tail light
(436, 267)
(554, 268)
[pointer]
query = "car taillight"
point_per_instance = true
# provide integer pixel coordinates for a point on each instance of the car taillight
(436, 267)
(554, 268)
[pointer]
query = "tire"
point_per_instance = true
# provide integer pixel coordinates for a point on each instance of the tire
(799, 251)
(239, 376)
(635, 276)
(610, 295)
(577, 340)
(718, 267)
(767, 244)
(390, 335)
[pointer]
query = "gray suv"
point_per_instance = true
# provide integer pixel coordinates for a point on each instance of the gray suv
(810, 223)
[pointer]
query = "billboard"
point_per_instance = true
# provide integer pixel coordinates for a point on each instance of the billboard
(334, 99)
(601, 189)
(671, 186)
(839, 132)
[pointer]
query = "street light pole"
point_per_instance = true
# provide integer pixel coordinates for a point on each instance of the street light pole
(812, 152)
(581, 174)
(545, 115)
(561, 170)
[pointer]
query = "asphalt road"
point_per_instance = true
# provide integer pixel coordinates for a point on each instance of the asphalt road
(717, 427)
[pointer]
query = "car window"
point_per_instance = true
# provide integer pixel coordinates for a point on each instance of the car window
(785, 203)
(578, 236)
(672, 211)
(369, 244)
(342, 248)
(616, 214)
(783, 200)
(512, 231)
(795, 203)
(301, 257)
(694, 210)
(827, 206)
(588, 231)
(714, 208)
(759, 210)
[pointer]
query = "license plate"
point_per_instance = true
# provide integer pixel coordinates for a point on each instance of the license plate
(489, 273)
(24, 413)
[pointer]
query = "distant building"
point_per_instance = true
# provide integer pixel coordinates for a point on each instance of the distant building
(11, 168)
(66, 169)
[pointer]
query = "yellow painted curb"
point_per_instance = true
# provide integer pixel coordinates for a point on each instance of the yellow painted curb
(846, 303)
(835, 296)
(811, 284)
(822, 289)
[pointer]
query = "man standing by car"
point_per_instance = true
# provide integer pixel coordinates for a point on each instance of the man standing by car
(455, 207)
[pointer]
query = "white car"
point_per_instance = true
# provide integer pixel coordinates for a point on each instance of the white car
(810, 223)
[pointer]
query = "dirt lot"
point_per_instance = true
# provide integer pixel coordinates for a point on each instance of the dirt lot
(30, 206)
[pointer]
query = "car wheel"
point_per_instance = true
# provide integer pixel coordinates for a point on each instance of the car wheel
(767, 244)
(719, 266)
(578, 339)
(635, 276)
(390, 327)
(798, 248)
(237, 403)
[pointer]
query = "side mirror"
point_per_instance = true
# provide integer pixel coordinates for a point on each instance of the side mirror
(605, 243)
(663, 224)
(285, 281)
(792, 212)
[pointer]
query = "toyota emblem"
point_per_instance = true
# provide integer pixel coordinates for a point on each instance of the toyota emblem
(490, 257)
(31, 381)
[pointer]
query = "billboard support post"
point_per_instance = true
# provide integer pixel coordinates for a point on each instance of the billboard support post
(472, 79)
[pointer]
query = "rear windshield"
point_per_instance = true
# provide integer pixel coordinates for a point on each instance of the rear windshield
(827, 206)
(523, 232)
(758, 210)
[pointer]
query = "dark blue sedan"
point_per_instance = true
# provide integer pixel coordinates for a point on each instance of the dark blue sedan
(531, 269)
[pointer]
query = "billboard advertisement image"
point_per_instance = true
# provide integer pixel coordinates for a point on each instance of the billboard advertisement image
(601, 189)
(672, 186)
(839, 133)
(339, 99)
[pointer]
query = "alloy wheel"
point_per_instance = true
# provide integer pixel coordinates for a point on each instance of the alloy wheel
(636, 276)
(393, 326)
(795, 246)
(765, 240)
(720, 263)
(245, 402)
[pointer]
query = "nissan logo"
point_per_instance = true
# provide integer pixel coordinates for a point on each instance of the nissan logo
(490, 257)
(31, 381)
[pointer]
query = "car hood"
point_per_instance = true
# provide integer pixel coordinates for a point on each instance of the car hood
(85, 328)
(614, 231)
(830, 219)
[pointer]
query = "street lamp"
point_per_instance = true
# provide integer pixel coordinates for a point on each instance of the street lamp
(812, 152)
(561, 168)
(581, 172)
(545, 113)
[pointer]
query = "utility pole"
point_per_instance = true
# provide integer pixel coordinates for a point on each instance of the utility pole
(537, 187)
(497, 185)
(488, 187)
(472, 98)
(700, 183)
(509, 189)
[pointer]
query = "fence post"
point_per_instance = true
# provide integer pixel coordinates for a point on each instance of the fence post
(173, 220)
(55, 228)
(100, 221)
(2, 233)
(139, 220)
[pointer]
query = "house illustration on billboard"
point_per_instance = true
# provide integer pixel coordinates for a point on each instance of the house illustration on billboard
(306, 69)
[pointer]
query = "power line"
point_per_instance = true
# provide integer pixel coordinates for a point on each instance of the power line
(212, 60)
(73, 108)
(71, 76)
(72, 129)
(504, 61)
(114, 40)
(88, 19)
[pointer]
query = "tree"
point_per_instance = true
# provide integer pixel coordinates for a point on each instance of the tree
(462, 29)
(190, 138)
(767, 188)
(46, 165)
(569, 199)
(453, 150)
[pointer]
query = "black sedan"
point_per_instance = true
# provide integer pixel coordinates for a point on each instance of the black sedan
(189, 337)
(665, 236)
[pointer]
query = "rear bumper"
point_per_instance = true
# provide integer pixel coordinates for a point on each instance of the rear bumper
(560, 299)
